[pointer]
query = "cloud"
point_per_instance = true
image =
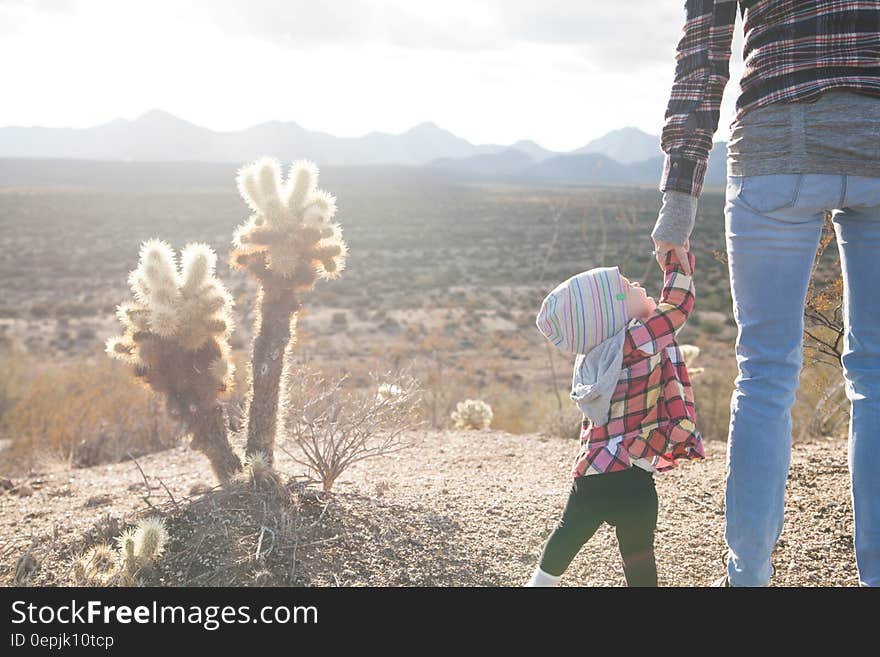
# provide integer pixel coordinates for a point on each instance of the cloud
(59, 6)
(15, 13)
(452, 25)
(619, 36)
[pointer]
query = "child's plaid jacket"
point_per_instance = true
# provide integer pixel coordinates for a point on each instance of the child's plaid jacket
(651, 422)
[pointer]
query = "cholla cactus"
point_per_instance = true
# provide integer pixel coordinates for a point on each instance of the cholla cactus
(136, 547)
(125, 545)
(388, 391)
(689, 352)
(176, 334)
(287, 244)
(472, 414)
(150, 539)
(259, 473)
(95, 567)
(290, 231)
(140, 547)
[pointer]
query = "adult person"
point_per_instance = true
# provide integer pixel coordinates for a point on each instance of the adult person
(805, 140)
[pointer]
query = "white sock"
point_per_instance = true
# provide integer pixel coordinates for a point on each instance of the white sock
(540, 578)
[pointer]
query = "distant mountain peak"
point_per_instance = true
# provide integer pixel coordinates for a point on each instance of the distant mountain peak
(425, 127)
(626, 145)
(277, 125)
(161, 118)
(158, 135)
(533, 149)
(157, 115)
(629, 129)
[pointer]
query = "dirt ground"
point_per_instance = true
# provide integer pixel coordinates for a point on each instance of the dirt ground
(458, 508)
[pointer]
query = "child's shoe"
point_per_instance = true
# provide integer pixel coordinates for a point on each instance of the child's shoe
(540, 578)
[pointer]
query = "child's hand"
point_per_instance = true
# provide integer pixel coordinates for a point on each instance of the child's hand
(674, 264)
(661, 248)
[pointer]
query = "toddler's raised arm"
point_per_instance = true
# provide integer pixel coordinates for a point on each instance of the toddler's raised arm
(649, 336)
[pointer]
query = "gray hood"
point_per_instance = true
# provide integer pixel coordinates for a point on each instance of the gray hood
(595, 378)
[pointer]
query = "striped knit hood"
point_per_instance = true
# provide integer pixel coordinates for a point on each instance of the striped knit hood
(584, 311)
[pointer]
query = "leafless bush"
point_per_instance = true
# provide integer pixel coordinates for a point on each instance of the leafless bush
(713, 387)
(822, 407)
(566, 423)
(823, 313)
(334, 427)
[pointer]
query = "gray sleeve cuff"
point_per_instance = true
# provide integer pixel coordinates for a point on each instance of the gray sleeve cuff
(677, 217)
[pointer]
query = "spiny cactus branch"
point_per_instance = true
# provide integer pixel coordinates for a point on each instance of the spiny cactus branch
(275, 331)
(176, 335)
(209, 434)
(287, 244)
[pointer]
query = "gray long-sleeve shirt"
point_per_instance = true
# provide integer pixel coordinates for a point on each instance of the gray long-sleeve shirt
(839, 133)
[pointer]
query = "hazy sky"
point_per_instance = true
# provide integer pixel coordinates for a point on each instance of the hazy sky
(559, 72)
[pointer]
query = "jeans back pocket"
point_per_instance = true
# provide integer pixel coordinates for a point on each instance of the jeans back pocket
(768, 193)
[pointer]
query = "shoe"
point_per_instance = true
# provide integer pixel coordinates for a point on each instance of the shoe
(540, 578)
(722, 581)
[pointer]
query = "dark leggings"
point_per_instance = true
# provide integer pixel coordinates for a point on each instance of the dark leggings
(627, 500)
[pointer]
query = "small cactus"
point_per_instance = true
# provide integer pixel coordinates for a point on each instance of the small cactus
(150, 539)
(472, 414)
(388, 391)
(139, 547)
(259, 472)
(95, 567)
(176, 335)
(125, 546)
(689, 352)
(287, 244)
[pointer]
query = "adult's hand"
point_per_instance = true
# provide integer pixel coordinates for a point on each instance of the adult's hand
(662, 248)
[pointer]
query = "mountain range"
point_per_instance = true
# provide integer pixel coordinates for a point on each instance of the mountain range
(624, 156)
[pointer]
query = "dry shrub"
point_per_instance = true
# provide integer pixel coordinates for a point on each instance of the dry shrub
(85, 412)
(564, 423)
(18, 369)
(532, 409)
(332, 427)
(440, 369)
(713, 385)
(822, 407)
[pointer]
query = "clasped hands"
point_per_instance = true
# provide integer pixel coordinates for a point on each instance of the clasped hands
(661, 248)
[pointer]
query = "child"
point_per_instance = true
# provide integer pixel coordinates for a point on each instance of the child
(631, 383)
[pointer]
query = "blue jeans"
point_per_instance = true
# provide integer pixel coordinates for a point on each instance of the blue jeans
(773, 224)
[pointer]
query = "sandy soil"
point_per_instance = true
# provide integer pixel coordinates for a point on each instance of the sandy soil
(459, 508)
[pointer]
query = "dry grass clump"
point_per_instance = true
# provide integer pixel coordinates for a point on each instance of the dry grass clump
(84, 412)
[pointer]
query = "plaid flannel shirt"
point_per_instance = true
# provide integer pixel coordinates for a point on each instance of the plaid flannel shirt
(651, 421)
(793, 51)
